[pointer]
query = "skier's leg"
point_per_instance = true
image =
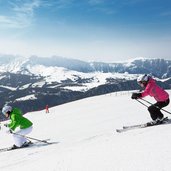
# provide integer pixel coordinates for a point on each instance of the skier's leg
(153, 112)
(155, 109)
(160, 105)
(19, 139)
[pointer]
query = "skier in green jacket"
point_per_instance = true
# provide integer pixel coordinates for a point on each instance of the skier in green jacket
(18, 125)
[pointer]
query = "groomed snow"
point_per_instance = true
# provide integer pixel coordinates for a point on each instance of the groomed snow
(85, 130)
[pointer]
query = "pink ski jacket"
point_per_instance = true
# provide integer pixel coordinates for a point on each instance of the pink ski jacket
(152, 89)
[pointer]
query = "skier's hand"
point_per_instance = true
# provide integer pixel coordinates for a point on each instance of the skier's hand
(6, 125)
(9, 131)
(136, 95)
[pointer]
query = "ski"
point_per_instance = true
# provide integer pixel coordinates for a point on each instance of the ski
(127, 128)
(148, 124)
(10, 148)
(133, 126)
(165, 120)
(32, 144)
(5, 149)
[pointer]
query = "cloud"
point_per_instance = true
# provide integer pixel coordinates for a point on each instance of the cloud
(21, 13)
(11, 22)
(27, 7)
(4, 19)
(58, 4)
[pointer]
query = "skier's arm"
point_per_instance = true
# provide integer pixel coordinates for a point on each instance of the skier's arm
(13, 124)
(146, 91)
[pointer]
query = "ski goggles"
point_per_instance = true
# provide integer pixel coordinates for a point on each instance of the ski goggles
(141, 82)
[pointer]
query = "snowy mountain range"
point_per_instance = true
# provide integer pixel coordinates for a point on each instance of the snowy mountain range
(158, 67)
(33, 82)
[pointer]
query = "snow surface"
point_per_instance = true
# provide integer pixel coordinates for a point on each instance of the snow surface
(28, 97)
(85, 130)
(10, 88)
(59, 74)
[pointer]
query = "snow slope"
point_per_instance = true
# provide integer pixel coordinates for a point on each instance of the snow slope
(85, 130)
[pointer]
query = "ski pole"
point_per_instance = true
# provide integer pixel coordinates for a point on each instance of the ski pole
(142, 103)
(155, 106)
(31, 138)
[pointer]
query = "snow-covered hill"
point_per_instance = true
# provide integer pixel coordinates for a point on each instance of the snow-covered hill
(85, 130)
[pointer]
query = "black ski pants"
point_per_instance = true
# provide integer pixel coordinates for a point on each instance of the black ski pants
(155, 109)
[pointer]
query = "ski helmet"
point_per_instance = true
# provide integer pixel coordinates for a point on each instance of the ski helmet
(143, 78)
(6, 109)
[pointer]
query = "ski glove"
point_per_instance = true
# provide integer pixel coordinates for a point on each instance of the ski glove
(9, 131)
(136, 95)
(6, 125)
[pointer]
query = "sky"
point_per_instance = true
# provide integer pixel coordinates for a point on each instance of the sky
(90, 30)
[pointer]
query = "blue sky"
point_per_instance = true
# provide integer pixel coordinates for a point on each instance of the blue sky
(99, 30)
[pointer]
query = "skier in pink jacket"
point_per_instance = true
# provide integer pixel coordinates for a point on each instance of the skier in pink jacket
(160, 95)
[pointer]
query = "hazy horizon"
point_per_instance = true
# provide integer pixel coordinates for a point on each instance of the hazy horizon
(74, 58)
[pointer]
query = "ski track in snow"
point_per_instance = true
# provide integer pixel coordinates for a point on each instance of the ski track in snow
(85, 130)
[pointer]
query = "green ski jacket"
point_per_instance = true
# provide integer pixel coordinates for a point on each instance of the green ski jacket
(17, 120)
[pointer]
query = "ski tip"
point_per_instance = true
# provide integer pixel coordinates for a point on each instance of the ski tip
(118, 130)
